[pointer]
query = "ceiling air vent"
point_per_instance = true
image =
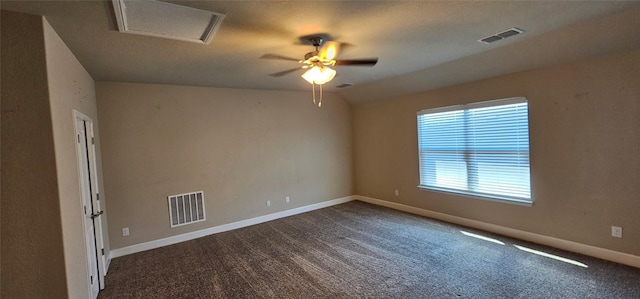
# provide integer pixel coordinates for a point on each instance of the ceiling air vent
(502, 35)
(166, 20)
(343, 85)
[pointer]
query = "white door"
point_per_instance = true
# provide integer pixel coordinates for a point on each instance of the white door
(95, 202)
(90, 209)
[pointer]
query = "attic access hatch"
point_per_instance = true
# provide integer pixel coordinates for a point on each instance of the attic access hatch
(166, 20)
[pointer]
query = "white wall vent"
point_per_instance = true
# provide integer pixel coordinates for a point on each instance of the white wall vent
(167, 20)
(501, 35)
(186, 208)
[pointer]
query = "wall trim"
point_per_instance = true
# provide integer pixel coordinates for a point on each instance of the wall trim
(602, 253)
(223, 228)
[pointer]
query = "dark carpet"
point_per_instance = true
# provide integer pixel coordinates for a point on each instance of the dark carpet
(359, 250)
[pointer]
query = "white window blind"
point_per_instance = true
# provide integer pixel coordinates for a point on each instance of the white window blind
(479, 149)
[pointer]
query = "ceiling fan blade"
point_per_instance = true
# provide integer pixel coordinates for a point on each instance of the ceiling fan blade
(280, 57)
(280, 74)
(329, 50)
(358, 62)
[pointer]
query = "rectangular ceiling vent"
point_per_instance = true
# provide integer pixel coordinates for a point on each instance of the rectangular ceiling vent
(343, 85)
(166, 20)
(186, 208)
(502, 35)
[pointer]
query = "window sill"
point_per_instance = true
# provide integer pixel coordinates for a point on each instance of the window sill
(507, 200)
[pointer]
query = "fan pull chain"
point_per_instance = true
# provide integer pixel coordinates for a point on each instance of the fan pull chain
(313, 92)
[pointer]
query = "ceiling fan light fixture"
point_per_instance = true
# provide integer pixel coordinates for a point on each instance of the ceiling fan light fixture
(317, 64)
(330, 50)
(319, 75)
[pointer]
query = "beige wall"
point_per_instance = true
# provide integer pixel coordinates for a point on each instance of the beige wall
(32, 247)
(43, 248)
(585, 142)
(241, 147)
(71, 88)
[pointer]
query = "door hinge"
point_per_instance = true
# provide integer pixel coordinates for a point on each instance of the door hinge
(85, 210)
(93, 141)
(78, 135)
(91, 279)
(102, 251)
(97, 196)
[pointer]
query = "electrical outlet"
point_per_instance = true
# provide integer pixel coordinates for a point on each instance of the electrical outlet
(125, 231)
(397, 192)
(286, 199)
(616, 231)
(268, 203)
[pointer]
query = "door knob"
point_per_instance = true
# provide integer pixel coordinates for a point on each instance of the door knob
(93, 216)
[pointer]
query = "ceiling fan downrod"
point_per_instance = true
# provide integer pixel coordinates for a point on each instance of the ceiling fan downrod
(316, 41)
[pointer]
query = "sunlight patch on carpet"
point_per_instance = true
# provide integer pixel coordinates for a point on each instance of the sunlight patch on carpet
(481, 237)
(553, 256)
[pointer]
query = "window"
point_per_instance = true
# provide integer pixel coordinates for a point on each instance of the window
(479, 149)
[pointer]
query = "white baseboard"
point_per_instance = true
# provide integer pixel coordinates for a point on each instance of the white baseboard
(222, 228)
(605, 254)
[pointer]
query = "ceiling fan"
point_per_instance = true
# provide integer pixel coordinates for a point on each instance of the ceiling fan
(319, 62)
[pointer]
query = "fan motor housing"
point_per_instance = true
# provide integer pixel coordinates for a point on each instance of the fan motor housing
(316, 41)
(310, 54)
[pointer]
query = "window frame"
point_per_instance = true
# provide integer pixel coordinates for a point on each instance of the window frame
(464, 108)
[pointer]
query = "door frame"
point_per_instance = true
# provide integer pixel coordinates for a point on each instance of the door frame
(95, 192)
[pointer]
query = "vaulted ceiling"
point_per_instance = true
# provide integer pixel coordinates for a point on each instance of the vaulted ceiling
(420, 44)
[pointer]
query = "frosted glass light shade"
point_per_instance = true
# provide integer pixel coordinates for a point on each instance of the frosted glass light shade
(319, 75)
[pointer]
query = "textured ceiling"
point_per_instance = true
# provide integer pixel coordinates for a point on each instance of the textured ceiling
(420, 44)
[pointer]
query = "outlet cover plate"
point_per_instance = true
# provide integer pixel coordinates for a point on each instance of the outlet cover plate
(616, 231)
